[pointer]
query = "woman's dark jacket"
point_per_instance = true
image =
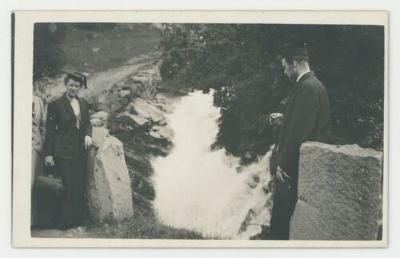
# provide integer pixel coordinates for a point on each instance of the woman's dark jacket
(60, 127)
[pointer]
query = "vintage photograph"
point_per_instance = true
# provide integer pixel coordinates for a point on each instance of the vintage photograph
(262, 132)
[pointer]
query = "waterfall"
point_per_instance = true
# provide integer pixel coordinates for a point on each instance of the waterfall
(207, 190)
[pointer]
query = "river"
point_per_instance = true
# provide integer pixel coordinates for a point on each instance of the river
(206, 190)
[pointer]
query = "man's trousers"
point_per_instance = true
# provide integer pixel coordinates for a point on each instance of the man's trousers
(284, 203)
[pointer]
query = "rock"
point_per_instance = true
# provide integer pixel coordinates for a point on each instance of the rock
(112, 100)
(100, 115)
(96, 122)
(161, 132)
(148, 110)
(109, 193)
(124, 93)
(134, 88)
(139, 120)
(99, 119)
(99, 136)
(339, 193)
(259, 213)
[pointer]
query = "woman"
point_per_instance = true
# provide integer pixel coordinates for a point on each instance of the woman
(68, 136)
(38, 129)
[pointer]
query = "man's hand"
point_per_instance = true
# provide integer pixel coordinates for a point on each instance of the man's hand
(88, 141)
(279, 175)
(275, 118)
(282, 176)
(49, 161)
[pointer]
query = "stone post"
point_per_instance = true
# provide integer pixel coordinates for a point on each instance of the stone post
(340, 193)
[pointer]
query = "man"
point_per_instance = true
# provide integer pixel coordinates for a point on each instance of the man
(68, 136)
(306, 116)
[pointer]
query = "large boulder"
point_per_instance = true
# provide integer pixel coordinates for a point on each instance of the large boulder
(340, 189)
(109, 193)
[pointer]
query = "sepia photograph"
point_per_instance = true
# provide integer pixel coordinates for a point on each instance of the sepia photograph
(235, 129)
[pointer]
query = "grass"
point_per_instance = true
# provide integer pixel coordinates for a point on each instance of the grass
(140, 226)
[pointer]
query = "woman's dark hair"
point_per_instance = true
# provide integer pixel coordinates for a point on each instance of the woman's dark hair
(79, 77)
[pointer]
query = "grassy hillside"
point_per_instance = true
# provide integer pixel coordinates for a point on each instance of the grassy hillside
(93, 51)
(89, 47)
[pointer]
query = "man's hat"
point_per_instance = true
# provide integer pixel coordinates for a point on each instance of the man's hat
(296, 50)
(80, 77)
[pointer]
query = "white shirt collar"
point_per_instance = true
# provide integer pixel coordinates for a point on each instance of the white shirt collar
(301, 75)
(75, 106)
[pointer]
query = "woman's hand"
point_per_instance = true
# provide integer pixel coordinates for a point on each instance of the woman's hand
(88, 141)
(49, 161)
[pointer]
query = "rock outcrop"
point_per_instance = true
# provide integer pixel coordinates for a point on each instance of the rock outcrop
(109, 191)
(340, 189)
(142, 127)
(259, 215)
(134, 113)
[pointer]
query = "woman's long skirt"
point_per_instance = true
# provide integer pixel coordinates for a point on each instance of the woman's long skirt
(73, 174)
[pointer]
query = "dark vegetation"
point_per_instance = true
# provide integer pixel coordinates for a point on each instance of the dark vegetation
(239, 61)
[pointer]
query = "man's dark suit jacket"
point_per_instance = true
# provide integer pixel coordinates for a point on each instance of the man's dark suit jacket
(306, 116)
(61, 127)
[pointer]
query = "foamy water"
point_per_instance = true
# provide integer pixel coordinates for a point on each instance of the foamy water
(202, 190)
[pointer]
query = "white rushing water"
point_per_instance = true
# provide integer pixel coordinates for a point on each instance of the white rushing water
(200, 189)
